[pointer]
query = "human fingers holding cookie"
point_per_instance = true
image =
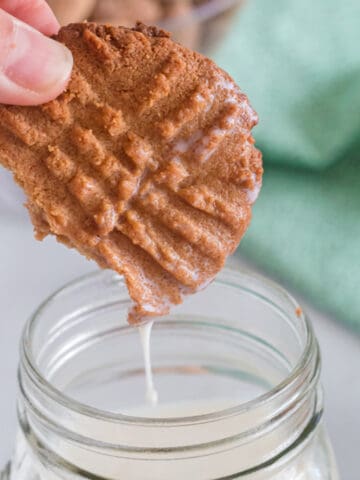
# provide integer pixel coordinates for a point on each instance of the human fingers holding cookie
(34, 69)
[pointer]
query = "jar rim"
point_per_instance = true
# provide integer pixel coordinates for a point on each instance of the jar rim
(120, 418)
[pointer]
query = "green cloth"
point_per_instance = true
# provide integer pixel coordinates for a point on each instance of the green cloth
(299, 63)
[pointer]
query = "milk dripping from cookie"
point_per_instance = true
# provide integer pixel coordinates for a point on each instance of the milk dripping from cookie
(236, 368)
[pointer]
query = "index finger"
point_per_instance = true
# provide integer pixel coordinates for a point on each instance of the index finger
(36, 13)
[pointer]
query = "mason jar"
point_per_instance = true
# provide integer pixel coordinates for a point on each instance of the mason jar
(236, 368)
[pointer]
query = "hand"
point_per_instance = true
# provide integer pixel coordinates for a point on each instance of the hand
(34, 69)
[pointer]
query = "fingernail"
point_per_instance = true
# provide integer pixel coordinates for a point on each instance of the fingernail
(35, 62)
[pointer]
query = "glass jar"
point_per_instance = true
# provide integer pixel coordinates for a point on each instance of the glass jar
(237, 367)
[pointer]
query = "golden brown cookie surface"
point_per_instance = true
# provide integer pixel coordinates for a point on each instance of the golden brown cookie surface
(145, 164)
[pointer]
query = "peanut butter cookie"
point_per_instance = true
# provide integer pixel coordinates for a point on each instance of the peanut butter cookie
(145, 163)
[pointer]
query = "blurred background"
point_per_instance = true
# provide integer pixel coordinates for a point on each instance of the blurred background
(299, 63)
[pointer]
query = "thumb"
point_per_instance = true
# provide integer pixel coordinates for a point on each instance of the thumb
(34, 69)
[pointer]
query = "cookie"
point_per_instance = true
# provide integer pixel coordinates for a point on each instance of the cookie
(68, 11)
(145, 164)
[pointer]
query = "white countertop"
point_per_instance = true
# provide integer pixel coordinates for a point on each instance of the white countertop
(30, 271)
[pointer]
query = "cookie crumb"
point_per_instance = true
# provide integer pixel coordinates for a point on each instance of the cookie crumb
(151, 31)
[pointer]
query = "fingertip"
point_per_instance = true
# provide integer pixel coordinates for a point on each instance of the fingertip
(34, 68)
(59, 75)
(36, 13)
(56, 76)
(46, 21)
(50, 27)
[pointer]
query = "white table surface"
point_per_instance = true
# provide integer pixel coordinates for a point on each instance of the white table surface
(29, 271)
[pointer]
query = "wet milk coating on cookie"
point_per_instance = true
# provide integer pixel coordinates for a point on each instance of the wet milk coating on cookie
(145, 164)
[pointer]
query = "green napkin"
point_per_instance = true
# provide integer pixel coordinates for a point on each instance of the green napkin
(299, 63)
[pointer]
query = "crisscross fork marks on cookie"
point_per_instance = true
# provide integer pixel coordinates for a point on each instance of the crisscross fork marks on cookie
(160, 205)
(199, 100)
(164, 81)
(21, 128)
(145, 164)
